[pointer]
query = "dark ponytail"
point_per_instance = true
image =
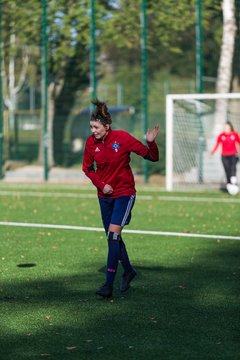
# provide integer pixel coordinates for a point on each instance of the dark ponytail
(101, 113)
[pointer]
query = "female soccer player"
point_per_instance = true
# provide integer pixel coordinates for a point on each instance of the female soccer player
(229, 139)
(106, 162)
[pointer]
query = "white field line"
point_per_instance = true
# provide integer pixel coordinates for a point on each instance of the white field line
(141, 232)
(47, 194)
(198, 199)
(140, 197)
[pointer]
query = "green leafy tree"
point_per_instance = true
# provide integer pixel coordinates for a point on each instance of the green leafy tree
(69, 39)
(171, 46)
(68, 28)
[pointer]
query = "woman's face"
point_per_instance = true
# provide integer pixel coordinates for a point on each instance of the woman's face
(98, 129)
(227, 128)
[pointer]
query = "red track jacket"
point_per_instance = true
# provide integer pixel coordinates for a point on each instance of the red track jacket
(112, 159)
(229, 143)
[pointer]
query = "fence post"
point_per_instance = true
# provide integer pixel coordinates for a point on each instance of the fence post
(93, 81)
(144, 76)
(199, 46)
(1, 96)
(45, 88)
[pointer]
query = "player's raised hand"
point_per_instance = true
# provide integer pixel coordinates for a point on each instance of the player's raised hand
(152, 134)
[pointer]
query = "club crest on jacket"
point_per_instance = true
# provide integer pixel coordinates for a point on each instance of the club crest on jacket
(116, 146)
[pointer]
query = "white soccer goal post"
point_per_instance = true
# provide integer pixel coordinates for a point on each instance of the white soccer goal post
(193, 122)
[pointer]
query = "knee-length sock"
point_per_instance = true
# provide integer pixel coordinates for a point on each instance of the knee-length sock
(124, 259)
(113, 257)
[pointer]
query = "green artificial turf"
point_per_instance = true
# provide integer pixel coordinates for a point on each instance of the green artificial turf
(184, 303)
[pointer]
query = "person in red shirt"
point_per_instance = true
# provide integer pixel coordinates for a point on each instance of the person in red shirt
(106, 162)
(229, 140)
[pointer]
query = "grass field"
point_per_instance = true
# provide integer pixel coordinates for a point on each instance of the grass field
(184, 303)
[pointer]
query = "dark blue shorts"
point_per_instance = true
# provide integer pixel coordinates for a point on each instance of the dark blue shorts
(116, 211)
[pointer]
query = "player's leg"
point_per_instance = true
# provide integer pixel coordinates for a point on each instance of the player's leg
(106, 207)
(129, 272)
(113, 257)
(227, 168)
(231, 186)
(113, 238)
(118, 253)
(122, 215)
(233, 169)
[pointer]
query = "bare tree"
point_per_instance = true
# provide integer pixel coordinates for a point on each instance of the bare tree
(11, 87)
(54, 90)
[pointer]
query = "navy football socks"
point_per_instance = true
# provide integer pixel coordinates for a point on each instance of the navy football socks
(124, 258)
(113, 257)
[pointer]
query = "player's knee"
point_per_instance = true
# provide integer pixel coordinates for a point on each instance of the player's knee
(112, 236)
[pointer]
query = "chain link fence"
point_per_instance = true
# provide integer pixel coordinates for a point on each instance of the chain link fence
(68, 89)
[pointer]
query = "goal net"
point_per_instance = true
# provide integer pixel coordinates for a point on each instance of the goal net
(193, 122)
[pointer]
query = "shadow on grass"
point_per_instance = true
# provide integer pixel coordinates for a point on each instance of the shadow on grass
(170, 313)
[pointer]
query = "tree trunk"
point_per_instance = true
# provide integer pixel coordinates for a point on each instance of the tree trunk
(53, 93)
(236, 67)
(63, 107)
(61, 98)
(13, 85)
(225, 63)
